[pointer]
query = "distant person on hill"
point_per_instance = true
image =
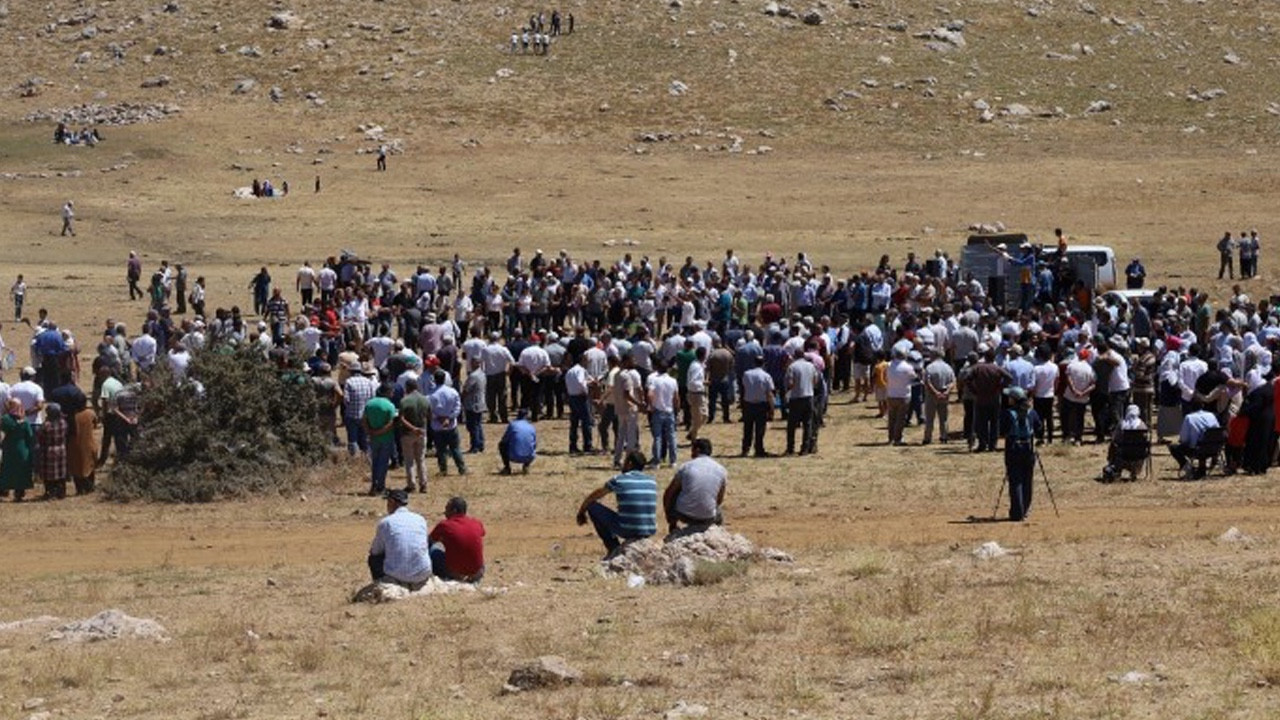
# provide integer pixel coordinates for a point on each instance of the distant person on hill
(400, 552)
(133, 273)
(555, 23)
(68, 219)
(1135, 275)
(570, 23)
(382, 158)
(19, 293)
(457, 544)
(1226, 257)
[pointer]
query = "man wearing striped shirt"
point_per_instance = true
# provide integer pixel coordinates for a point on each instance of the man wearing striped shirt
(637, 513)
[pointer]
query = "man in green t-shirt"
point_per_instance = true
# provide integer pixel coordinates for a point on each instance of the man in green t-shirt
(415, 414)
(379, 426)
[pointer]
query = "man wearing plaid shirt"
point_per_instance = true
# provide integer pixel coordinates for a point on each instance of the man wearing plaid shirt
(356, 392)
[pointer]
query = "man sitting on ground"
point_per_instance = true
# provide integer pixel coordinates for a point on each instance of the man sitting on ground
(637, 513)
(1194, 426)
(696, 493)
(399, 553)
(457, 544)
(519, 443)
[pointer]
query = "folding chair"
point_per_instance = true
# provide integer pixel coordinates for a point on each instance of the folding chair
(1208, 452)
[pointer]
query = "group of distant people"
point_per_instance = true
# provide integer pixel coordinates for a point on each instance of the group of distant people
(537, 35)
(88, 136)
(265, 189)
(1248, 248)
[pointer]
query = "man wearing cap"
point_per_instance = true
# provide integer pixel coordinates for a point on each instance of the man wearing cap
(457, 544)
(1019, 452)
(400, 552)
(357, 391)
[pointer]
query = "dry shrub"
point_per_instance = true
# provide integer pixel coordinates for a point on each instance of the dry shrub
(714, 572)
(250, 433)
(1259, 637)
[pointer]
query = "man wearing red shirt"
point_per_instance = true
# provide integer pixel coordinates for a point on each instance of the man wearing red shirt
(457, 544)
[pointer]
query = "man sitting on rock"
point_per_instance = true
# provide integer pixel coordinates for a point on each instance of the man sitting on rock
(399, 553)
(696, 493)
(637, 513)
(457, 544)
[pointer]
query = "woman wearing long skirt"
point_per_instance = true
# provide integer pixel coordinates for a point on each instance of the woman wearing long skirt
(51, 453)
(15, 452)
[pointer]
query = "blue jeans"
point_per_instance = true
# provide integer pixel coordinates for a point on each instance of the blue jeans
(440, 568)
(721, 390)
(579, 421)
(608, 525)
(356, 437)
(475, 431)
(447, 447)
(380, 460)
(663, 426)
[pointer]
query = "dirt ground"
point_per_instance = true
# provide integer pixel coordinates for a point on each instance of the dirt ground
(1126, 605)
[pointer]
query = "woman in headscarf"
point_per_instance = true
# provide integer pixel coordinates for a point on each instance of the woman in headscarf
(82, 446)
(15, 451)
(1259, 437)
(1116, 465)
(51, 452)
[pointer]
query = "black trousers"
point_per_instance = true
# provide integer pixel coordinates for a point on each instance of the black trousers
(1019, 468)
(800, 416)
(495, 396)
(986, 422)
(1044, 408)
(754, 422)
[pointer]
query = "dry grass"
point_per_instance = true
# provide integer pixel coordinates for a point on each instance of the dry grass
(886, 613)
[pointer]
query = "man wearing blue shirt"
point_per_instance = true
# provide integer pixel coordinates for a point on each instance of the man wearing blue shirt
(1194, 426)
(637, 513)
(519, 443)
(446, 406)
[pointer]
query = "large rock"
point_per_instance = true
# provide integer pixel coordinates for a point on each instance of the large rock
(548, 671)
(377, 593)
(109, 625)
(676, 561)
(284, 20)
(812, 17)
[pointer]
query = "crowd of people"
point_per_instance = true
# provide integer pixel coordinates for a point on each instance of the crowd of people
(404, 365)
(538, 34)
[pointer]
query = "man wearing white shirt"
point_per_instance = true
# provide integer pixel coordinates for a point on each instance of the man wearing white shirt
(899, 378)
(306, 283)
(1043, 391)
(577, 384)
(533, 363)
(143, 351)
(696, 390)
(662, 391)
(327, 279)
(1189, 372)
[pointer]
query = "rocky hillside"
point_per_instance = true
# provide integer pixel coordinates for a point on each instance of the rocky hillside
(701, 74)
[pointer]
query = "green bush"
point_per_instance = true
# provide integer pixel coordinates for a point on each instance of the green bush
(253, 431)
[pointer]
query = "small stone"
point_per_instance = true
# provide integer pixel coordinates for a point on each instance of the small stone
(271, 582)
(276, 94)
(677, 88)
(1098, 106)
(771, 8)
(548, 671)
(1231, 59)
(244, 86)
(685, 710)
(1017, 110)
(812, 17)
(33, 703)
(283, 21)
(156, 81)
(986, 116)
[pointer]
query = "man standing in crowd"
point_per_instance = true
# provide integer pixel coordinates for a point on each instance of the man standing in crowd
(802, 379)
(939, 378)
(757, 406)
